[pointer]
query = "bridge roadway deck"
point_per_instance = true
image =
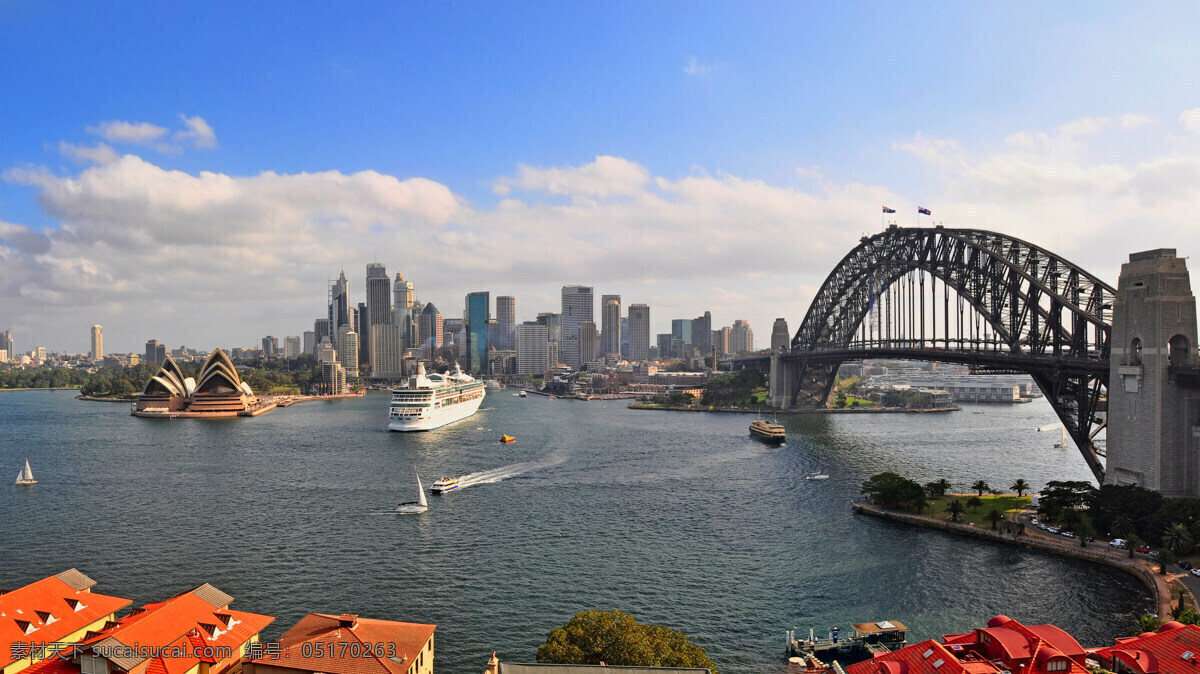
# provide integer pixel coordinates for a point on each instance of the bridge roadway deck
(994, 361)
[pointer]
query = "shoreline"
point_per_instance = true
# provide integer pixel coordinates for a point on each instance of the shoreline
(827, 410)
(1157, 583)
(40, 388)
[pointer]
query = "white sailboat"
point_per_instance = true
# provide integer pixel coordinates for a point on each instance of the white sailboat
(26, 475)
(414, 507)
(1063, 442)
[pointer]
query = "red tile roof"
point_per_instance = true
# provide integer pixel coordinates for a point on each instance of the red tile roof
(65, 608)
(918, 658)
(1153, 652)
(350, 649)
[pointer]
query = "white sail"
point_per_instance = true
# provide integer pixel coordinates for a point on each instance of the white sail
(421, 493)
(25, 475)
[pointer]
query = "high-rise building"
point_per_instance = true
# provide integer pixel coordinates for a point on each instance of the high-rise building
(155, 352)
(333, 378)
(779, 335)
(553, 357)
(387, 351)
(610, 325)
(7, 344)
(639, 332)
(721, 340)
(348, 350)
(576, 308)
(310, 342)
(702, 333)
(664, 345)
(477, 314)
(506, 316)
(291, 346)
(553, 323)
(589, 342)
(339, 305)
(681, 337)
(270, 346)
(97, 343)
(379, 298)
(321, 330)
(364, 337)
(430, 327)
(402, 299)
(326, 351)
(532, 348)
(741, 338)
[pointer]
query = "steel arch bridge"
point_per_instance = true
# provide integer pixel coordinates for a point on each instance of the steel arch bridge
(1005, 305)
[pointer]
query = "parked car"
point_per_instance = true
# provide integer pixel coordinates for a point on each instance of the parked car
(1053, 530)
(1144, 549)
(1185, 565)
(1195, 572)
(1117, 542)
(1069, 534)
(1033, 521)
(1154, 554)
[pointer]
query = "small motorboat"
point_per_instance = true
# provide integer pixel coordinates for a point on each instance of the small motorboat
(444, 485)
(26, 475)
(522, 394)
(507, 438)
(818, 475)
(414, 507)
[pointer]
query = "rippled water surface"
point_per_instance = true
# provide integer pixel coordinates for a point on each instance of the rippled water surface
(678, 518)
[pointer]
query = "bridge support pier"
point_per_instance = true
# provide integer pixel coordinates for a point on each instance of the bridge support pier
(783, 374)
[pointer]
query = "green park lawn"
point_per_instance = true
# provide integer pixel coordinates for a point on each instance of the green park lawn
(1008, 504)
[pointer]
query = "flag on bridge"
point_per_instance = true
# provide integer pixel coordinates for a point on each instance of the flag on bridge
(888, 210)
(923, 211)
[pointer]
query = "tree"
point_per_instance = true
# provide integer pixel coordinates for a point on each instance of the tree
(1082, 530)
(1165, 559)
(974, 502)
(615, 638)
(1070, 519)
(994, 516)
(891, 489)
(980, 486)
(955, 508)
(1122, 526)
(1020, 486)
(1178, 538)
(918, 503)
(1133, 542)
(937, 489)
(1145, 623)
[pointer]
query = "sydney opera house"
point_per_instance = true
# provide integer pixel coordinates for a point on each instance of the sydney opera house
(219, 391)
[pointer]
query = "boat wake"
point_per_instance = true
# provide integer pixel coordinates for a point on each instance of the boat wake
(505, 472)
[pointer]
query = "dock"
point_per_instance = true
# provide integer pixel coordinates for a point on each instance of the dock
(864, 641)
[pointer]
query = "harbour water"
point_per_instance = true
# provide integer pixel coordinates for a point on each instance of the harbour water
(677, 518)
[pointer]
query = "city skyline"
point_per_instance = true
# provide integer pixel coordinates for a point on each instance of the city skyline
(658, 153)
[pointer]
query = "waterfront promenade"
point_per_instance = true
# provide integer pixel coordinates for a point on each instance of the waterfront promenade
(1163, 587)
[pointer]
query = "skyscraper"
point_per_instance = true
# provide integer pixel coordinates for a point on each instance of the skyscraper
(310, 343)
(155, 352)
(321, 330)
(7, 344)
(379, 299)
(610, 325)
(347, 347)
(364, 337)
(339, 305)
(431, 330)
(702, 334)
(269, 346)
(681, 337)
(576, 308)
(477, 315)
(721, 340)
(553, 323)
(387, 350)
(97, 343)
(532, 348)
(639, 332)
(291, 346)
(741, 337)
(402, 299)
(506, 316)
(589, 342)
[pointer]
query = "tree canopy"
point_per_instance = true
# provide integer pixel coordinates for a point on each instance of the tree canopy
(892, 489)
(615, 638)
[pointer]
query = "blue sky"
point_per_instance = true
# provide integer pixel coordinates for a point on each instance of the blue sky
(799, 115)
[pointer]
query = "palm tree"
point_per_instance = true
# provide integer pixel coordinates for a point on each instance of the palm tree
(980, 486)
(938, 489)
(1082, 530)
(955, 508)
(1020, 486)
(974, 502)
(919, 503)
(1146, 623)
(994, 516)
(1122, 526)
(1165, 559)
(1132, 542)
(1178, 539)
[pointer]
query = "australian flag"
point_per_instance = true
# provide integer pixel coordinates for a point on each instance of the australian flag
(924, 211)
(888, 210)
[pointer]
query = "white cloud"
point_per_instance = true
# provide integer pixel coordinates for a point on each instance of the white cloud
(605, 177)
(694, 68)
(1085, 126)
(1134, 121)
(197, 132)
(100, 153)
(1190, 119)
(136, 133)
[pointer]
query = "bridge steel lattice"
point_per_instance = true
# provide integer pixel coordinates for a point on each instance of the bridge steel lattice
(1040, 314)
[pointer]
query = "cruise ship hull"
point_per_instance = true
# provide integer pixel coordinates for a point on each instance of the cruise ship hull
(436, 418)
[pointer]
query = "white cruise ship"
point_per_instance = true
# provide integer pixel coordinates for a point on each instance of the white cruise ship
(432, 401)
